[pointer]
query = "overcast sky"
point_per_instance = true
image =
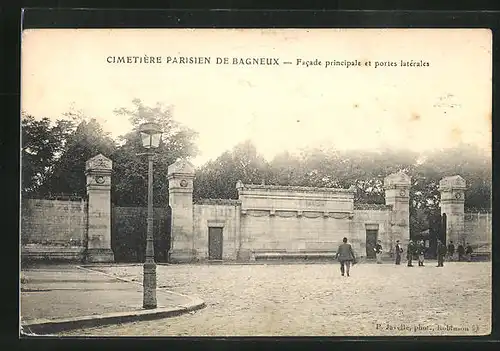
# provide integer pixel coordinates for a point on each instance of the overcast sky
(277, 107)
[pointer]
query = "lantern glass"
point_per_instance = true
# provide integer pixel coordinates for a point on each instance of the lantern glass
(150, 135)
(146, 140)
(155, 140)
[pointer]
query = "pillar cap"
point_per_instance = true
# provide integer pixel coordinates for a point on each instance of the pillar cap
(99, 163)
(181, 166)
(451, 183)
(398, 179)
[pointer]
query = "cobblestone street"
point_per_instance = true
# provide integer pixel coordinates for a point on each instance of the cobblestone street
(314, 299)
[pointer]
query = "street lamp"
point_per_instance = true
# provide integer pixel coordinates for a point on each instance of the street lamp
(150, 136)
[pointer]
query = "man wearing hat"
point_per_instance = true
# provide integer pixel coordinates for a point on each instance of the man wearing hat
(421, 253)
(399, 251)
(410, 252)
(441, 252)
(378, 251)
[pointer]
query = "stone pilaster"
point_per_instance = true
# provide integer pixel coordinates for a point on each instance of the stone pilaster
(397, 194)
(98, 171)
(180, 190)
(452, 191)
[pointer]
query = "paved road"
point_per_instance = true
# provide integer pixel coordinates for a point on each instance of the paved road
(315, 300)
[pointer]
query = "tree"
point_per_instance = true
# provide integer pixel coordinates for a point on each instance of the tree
(217, 178)
(286, 169)
(67, 175)
(366, 170)
(468, 161)
(130, 167)
(42, 144)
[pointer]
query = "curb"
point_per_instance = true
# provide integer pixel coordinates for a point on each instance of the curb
(46, 326)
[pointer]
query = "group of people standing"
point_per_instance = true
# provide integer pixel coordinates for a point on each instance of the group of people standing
(418, 249)
(415, 250)
(464, 252)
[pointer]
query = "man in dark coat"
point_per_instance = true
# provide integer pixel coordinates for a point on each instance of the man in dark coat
(378, 251)
(421, 253)
(461, 252)
(345, 255)
(410, 252)
(468, 252)
(451, 250)
(441, 252)
(399, 251)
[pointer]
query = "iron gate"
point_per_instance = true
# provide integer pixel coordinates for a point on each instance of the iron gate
(128, 233)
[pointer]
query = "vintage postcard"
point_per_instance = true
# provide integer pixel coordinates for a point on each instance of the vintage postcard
(256, 182)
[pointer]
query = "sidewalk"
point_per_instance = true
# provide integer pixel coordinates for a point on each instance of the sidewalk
(63, 297)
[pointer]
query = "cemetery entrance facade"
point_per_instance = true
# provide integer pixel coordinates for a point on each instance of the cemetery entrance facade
(282, 221)
(265, 221)
(286, 221)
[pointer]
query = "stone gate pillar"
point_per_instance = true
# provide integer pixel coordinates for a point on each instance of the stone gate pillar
(452, 191)
(397, 194)
(98, 171)
(180, 198)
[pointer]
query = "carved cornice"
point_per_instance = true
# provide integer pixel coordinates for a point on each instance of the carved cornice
(241, 186)
(296, 213)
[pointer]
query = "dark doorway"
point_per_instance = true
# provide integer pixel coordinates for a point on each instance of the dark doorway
(437, 231)
(371, 242)
(215, 243)
(442, 231)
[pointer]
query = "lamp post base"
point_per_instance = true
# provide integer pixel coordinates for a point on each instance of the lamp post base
(149, 285)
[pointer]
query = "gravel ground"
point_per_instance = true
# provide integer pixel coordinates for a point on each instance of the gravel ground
(314, 299)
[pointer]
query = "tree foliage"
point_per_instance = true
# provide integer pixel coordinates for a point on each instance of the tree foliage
(217, 178)
(42, 143)
(68, 172)
(130, 167)
(365, 170)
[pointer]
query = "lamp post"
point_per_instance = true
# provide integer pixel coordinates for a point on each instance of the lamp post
(150, 137)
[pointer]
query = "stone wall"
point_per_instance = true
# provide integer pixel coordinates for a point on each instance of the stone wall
(269, 218)
(294, 219)
(371, 216)
(217, 213)
(286, 231)
(478, 230)
(53, 228)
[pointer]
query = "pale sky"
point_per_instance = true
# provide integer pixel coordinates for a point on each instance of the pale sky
(283, 107)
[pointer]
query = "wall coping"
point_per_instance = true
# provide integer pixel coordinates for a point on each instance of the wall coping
(231, 202)
(241, 186)
(65, 198)
(379, 207)
(480, 211)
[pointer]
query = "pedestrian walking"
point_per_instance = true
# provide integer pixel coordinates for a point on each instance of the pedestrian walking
(410, 252)
(421, 253)
(399, 251)
(461, 252)
(378, 251)
(346, 256)
(451, 250)
(468, 252)
(441, 252)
